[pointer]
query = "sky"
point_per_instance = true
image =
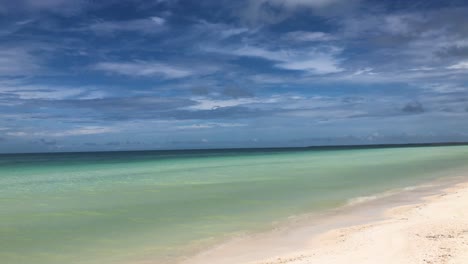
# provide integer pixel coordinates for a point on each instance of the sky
(175, 74)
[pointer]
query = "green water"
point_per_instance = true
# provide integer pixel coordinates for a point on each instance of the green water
(130, 206)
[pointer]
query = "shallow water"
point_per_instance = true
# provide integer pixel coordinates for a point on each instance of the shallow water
(128, 206)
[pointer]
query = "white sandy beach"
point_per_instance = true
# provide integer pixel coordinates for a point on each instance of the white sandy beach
(432, 231)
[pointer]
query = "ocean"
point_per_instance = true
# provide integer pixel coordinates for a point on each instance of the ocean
(132, 207)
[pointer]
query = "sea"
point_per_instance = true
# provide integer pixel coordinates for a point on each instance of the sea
(160, 206)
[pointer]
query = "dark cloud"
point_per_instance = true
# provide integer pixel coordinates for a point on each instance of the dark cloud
(414, 107)
(453, 51)
(406, 32)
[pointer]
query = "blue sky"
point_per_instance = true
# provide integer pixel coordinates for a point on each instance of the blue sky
(170, 74)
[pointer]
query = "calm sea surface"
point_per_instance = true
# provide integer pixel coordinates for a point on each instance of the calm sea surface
(123, 207)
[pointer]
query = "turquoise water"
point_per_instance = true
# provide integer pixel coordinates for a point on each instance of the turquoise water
(131, 206)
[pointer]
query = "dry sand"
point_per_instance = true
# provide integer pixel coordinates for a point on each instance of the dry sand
(432, 231)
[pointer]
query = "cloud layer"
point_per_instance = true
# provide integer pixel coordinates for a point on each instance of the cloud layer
(75, 74)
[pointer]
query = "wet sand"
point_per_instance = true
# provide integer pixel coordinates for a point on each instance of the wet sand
(426, 225)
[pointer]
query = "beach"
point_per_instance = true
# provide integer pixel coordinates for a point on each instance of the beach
(433, 230)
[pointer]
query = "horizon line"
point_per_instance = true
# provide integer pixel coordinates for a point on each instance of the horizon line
(323, 147)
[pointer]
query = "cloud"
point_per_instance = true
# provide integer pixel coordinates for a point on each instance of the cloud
(17, 134)
(23, 89)
(146, 108)
(456, 51)
(38, 92)
(148, 25)
(314, 61)
(81, 131)
(276, 11)
(117, 108)
(400, 24)
(305, 36)
(447, 87)
(62, 7)
(316, 64)
(144, 69)
(280, 65)
(88, 130)
(300, 3)
(217, 30)
(391, 25)
(413, 108)
(17, 62)
(463, 65)
(210, 125)
(210, 104)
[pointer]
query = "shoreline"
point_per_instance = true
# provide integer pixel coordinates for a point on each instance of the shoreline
(335, 236)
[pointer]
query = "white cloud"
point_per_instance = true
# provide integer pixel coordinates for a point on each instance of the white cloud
(148, 25)
(400, 23)
(209, 104)
(316, 63)
(305, 36)
(463, 65)
(367, 70)
(219, 30)
(145, 69)
(17, 62)
(87, 130)
(210, 125)
(158, 20)
(445, 87)
(27, 91)
(423, 68)
(313, 61)
(328, 114)
(24, 22)
(16, 134)
(46, 93)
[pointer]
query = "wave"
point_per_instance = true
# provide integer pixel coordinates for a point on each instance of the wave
(364, 199)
